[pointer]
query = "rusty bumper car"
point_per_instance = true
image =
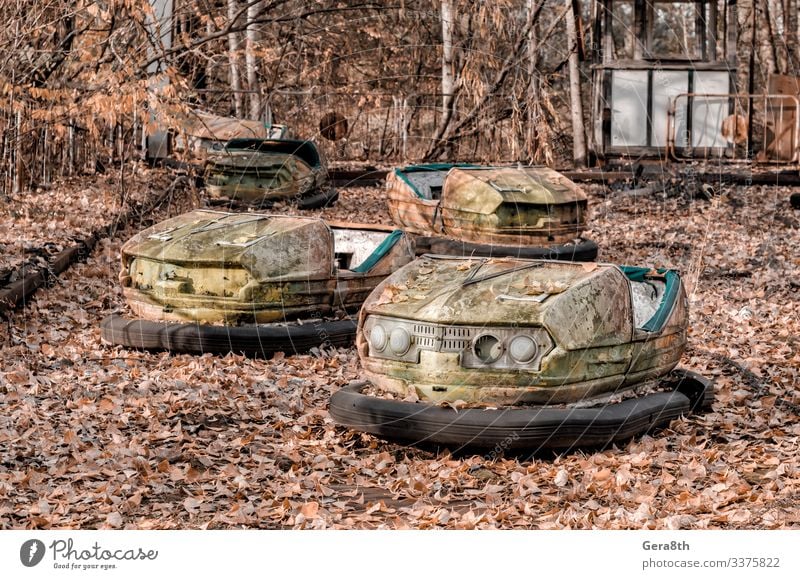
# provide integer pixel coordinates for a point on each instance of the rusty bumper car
(211, 281)
(521, 353)
(257, 172)
(200, 133)
(469, 210)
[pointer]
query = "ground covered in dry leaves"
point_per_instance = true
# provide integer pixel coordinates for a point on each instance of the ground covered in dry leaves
(38, 223)
(99, 436)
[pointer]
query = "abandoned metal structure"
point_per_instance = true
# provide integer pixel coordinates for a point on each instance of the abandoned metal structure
(665, 86)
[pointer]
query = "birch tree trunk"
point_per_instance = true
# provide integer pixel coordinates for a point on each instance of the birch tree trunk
(250, 61)
(534, 110)
(578, 131)
(447, 57)
(233, 59)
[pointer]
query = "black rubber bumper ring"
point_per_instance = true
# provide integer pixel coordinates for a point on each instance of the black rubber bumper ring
(584, 250)
(260, 340)
(522, 428)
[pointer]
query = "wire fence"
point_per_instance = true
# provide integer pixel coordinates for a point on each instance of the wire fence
(396, 128)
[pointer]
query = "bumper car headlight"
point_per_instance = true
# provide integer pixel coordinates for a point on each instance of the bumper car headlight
(399, 341)
(378, 338)
(522, 349)
(487, 348)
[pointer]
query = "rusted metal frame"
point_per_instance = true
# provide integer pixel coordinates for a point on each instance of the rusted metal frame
(690, 94)
(649, 110)
(713, 22)
(689, 115)
(701, 47)
(641, 41)
(673, 150)
(664, 64)
(777, 137)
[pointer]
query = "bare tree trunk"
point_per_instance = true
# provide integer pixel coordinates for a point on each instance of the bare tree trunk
(18, 182)
(771, 36)
(233, 59)
(534, 110)
(447, 57)
(250, 61)
(578, 131)
(790, 23)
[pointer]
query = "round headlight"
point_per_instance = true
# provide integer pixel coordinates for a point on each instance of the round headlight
(487, 348)
(399, 341)
(377, 337)
(522, 349)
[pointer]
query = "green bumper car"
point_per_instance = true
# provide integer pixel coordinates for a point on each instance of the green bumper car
(211, 281)
(535, 353)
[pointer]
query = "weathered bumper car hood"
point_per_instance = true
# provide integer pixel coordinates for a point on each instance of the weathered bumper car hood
(515, 206)
(483, 190)
(243, 267)
(209, 128)
(505, 291)
(256, 170)
(269, 247)
(259, 154)
(496, 333)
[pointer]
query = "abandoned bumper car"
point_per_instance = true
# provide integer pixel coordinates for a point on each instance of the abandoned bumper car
(211, 281)
(200, 133)
(257, 172)
(521, 353)
(529, 212)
